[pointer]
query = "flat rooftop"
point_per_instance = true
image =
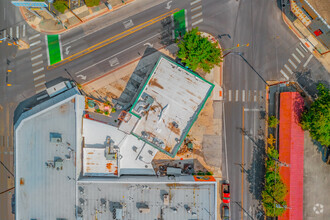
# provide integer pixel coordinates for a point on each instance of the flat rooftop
(45, 162)
(186, 200)
(168, 105)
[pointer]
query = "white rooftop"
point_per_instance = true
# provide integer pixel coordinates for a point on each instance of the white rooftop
(44, 192)
(168, 105)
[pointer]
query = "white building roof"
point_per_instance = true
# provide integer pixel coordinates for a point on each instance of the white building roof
(169, 104)
(43, 192)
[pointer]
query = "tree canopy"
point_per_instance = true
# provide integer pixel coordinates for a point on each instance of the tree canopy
(197, 52)
(91, 3)
(316, 119)
(60, 5)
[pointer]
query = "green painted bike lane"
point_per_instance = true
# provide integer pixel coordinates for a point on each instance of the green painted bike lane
(180, 25)
(54, 49)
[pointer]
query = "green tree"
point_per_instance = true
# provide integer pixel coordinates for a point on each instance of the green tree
(198, 52)
(60, 5)
(275, 190)
(316, 119)
(91, 3)
(272, 121)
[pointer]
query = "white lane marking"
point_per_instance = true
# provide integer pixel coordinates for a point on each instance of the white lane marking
(37, 63)
(292, 63)
(255, 96)
(128, 23)
(36, 57)
(225, 140)
(283, 73)
(17, 31)
(300, 53)
(309, 59)
(290, 71)
(197, 22)
(252, 110)
(39, 77)
(23, 30)
(117, 53)
(67, 50)
(34, 36)
(38, 70)
(229, 95)
(35, 43)
(243, 95)
(40, 90)
(303, 47)
(11, 32)
(35, 50)
(40, 84)
(236, 96)
(196, 15)
(294, 56)
(196, 8)
(195, 2)
(59, 41)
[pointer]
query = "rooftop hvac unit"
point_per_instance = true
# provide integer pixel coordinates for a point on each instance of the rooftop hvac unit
(144, 210)
(55, 137)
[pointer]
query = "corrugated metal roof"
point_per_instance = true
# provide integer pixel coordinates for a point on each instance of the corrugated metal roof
(291, 150)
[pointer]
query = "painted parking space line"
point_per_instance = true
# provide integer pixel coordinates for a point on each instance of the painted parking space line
(292, 63)
(283, 73)
(35, 43)
(195, 2)
(36, 57)
(197, 22)
(286, 66)
(196, 8)
(309, 59)
(38, 70)
(40, 84)
(37, 63)
(34, 36)
(39, 77)
(294, 56)
(300, 53)
(196, 15)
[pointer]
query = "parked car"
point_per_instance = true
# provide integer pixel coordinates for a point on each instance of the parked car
(225, 212)
(225, 193)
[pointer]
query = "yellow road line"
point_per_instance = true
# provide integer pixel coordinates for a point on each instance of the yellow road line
(112, 39)
(242, 184)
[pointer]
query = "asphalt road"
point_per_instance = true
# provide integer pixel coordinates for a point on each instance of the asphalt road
(257, 22)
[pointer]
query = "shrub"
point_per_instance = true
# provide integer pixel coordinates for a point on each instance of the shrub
(272, 122)
(91, 3)
(106, 112)
(60, 5)
(113, 110)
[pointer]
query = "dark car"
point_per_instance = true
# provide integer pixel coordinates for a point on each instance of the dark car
(225, 212)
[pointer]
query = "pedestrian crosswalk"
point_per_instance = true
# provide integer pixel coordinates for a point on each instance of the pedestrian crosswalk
(294, 61)
(196, 12)
(245, 95)
(37, 63)
(18, 32)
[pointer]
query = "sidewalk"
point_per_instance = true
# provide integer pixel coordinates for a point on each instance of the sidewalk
(47, 24)
(316, 48)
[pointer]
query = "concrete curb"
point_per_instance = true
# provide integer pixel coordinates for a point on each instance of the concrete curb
(97, 15)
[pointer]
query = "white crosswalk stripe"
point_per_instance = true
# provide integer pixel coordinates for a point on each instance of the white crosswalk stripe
(5, 33)
(197, 22)
(196, 8)
(39, 77)
(286, 66)
(195, 2)
(303, 47)
(292, 63)
(17, 31)
(38, 70)
(34, 36)
(236, 96)
(255, 95)
(294, 56)
(309, 59)
(40, 90)
(283, 73)
(300, 53)
(243, 95)
(229, 95)
(37, 63)
(36, 57)
(196, 15)
(35, 50)
(249, 96)
(40, 84)
(11, 32)
(23, 35)
(35, 43)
